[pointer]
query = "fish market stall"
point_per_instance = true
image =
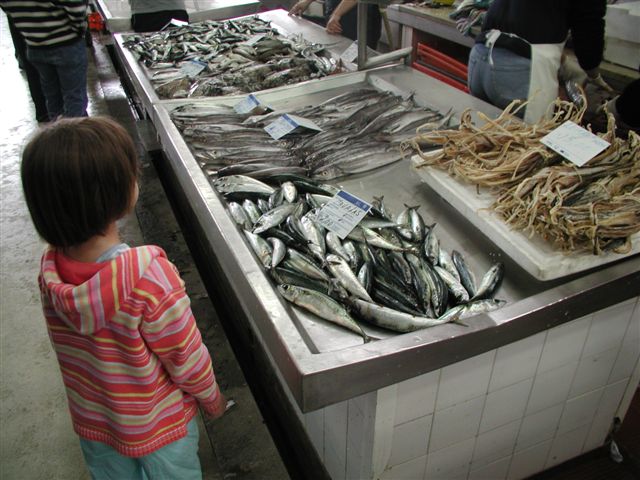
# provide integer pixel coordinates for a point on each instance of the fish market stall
(507, 393)
(117, 13)
(314, 53)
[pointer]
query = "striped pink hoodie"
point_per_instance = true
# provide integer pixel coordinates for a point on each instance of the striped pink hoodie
(131, 356)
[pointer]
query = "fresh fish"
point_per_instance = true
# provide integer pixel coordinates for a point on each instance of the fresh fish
(340, 269)
(314, 236)
(261, 248)
(467, 278)
(290, 192)
(417, 224)
(241, 184)
(489, 282)
(446, 262)
(321, 305)
(432, 247)
(391, 319)
(453, 284)
(334, 245)
(273, 218)
(278, 251)
(365, 276)
(481, 306)
(252, 211)
(240, 215)
(301, 263)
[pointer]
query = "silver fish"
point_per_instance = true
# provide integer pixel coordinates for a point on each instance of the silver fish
(490, 282)
(261, 248)
(453, 284)
(273, 217)
(398, 321)
(279, 251)
(340, 269)
(240, 215)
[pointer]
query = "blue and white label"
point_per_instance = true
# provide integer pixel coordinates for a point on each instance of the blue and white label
(192, 68)
(248, 105)
(574, 143)
(343, 213)
(288, 123)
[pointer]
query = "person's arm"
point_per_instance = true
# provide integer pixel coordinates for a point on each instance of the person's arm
(300, 7)
(333, 24)
(170, 331)
(76, 11)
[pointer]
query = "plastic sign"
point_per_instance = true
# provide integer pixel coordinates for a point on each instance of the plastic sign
(192, 68)
(574, 143)
(342, 213)
(287, 123)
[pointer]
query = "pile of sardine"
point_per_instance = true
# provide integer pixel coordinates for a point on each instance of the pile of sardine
(234, 62)
(391, 273)
(361, 130)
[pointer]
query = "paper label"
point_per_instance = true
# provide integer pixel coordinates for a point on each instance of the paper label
(174, 22)
(574, 143)
(254, 39)
(288, 123)
(342, 213)
(192, 68)
(350, 54)
(247, 105)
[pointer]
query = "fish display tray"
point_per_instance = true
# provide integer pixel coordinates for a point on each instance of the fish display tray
(534, 254)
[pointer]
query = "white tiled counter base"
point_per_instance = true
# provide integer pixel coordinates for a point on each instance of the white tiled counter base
(505, 414)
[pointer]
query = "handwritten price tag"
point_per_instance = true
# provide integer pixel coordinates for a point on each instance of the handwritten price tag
(287, 123)
(342, 213)
(574, 143)
(192, 68)
(247, 105)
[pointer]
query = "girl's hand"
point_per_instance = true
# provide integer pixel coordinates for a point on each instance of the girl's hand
(333, 25)
(218, 410)
(300, 7)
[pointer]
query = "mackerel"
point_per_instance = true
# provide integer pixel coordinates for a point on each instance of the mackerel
(391, 319)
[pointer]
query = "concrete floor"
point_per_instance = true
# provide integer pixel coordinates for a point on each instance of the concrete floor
(36, 437)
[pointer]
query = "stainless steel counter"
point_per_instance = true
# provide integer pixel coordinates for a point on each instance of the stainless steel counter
(280, 19)
(117, 13)
(424, 19)
(321, 364)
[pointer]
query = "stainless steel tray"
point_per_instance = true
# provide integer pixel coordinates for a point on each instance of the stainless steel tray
(322, 364)
(280, 19)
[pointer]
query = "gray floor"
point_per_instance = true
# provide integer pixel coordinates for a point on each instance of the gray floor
(36, 437)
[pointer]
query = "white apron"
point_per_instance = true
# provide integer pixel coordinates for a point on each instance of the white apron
(543, 80)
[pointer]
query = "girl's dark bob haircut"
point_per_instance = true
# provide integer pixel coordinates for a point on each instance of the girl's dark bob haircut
(78, 176)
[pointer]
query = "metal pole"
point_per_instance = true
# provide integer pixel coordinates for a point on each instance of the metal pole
(362, 35)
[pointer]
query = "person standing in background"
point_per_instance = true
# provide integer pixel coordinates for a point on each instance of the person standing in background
(33, 78)
(54, 34)
(153, 15)
(518, 53)
(342, 19)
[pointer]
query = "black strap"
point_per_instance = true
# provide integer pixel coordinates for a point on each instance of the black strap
(512, 43)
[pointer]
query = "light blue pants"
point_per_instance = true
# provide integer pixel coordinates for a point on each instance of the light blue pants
(176, 461)
(501, 83)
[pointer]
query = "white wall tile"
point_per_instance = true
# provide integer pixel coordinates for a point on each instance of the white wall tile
(335, 439)
(633, 331)
(551, 387)
(630, 392)
(539, 427)
(516, 361)
(455, 424)
(579, 411)
(567, 446)
(593, 372)
(605, 414)
(608, 328)
(564, 343)
(529, 461)
(416, 397)
(451, 462)
(411, 470)
(493, 471)
(625, 361)
(314, 423)
(495, 444)
(410, 440)
(506, 405)
(464, 380)
(360, 434)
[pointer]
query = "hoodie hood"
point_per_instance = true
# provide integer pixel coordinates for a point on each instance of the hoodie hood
(97, 291)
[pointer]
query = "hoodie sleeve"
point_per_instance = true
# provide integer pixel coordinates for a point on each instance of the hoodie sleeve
(170, 331)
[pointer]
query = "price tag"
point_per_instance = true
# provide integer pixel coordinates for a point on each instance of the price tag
(192, 68)
(288, 123)
(248, 105)
(350, 54)
(174, 22)
(254, 39)
(574, 143)
(342, 213)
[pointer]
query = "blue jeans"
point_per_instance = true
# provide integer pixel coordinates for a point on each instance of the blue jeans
(63, 76)
(178, 460)
(500, 84)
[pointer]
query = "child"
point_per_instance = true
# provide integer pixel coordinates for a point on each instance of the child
(119, 319)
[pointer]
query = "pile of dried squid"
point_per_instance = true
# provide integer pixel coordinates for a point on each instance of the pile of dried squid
(593, 208)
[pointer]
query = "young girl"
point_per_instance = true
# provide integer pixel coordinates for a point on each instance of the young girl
(119, 319)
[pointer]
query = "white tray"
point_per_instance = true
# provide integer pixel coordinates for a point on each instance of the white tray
(535, 255)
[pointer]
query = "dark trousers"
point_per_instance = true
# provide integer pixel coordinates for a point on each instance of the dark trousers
(33, 77)
(154, 21)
